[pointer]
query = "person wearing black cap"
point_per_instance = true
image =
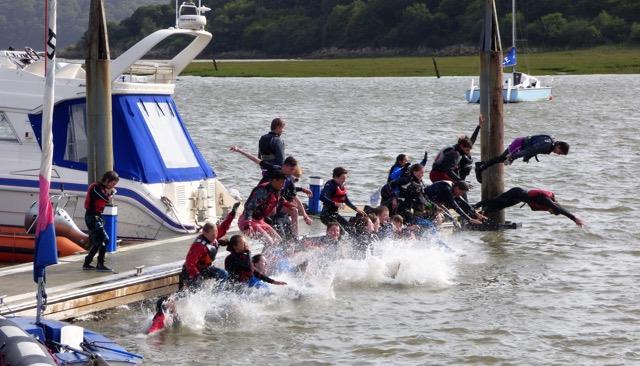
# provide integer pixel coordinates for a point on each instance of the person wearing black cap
(537, 199)
(450, 195)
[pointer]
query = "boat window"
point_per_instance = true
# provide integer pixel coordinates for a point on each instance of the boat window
(77, 146)
(6, 130)
(168, 134)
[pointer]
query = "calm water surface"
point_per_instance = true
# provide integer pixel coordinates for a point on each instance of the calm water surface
(548, 293)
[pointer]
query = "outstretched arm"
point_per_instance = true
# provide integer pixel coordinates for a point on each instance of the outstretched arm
(556, 209)
(245, 154)
(474, 136)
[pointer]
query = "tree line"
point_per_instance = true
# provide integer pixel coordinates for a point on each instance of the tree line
(294, 28)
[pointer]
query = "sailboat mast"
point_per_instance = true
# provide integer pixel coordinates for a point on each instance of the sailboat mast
(513, 33)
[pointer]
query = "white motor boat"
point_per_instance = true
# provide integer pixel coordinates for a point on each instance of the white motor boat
(166, 186)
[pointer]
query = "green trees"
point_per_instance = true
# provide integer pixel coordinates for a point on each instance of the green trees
(285, 28)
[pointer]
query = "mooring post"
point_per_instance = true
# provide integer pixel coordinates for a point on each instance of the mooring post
(491, 105)
(97, 64)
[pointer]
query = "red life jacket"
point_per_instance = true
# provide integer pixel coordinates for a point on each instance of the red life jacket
(340, 196)
(95, 203)
(265, 206)
(537, 193)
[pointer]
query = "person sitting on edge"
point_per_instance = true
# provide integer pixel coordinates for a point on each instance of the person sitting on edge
(414, 206)
(449, 194)
(446, 165)
(466, 161)
(537, 199)
(334, 196)
(238, 263)
(290, 167)
(198, 265)
(329, 241)
(525, 148)
(262, 202)
(401, 166)
(385, 230)
(271, 145)
(400, 231)
(98, 195)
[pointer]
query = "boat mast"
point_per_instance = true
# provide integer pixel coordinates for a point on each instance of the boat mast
(98, 65)
(491, 104)
(513, 34)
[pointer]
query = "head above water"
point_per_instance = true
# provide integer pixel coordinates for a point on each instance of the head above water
(333, 230)
(340, 174)
(277, 126)
(561, 148)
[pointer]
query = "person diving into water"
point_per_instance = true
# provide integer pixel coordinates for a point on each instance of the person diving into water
(537, 199)
(525, 148)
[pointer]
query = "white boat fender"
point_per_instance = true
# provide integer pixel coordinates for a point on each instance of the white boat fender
(17, 348)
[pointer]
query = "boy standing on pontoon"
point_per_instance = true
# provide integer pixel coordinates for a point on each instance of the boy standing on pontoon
(98, 195)
(271, 145)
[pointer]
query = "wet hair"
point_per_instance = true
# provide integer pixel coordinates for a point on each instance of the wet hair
(373, 218)
(277, 122)
(337, 172)
(277, 175)
(256, 258)
(290, 161)
(564, 147)
(110, 176)
(465, 141)
(380, 209)
(415, 167)
(332, 224)
(397, 218)
(208, 227)
(400, 158)
(233, 242)
(462, 185)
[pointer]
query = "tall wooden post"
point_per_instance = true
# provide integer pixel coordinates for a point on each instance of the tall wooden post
(97, 64)
(491, 104)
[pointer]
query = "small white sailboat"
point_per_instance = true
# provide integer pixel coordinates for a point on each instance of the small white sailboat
(518, 86)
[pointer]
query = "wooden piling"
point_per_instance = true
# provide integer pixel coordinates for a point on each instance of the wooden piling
(491, 105)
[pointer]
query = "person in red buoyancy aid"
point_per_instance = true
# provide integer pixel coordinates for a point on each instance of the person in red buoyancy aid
(98, 196)
(262, 202)
(198, 264)
(333, 197)
(446, 165)
(537, 199)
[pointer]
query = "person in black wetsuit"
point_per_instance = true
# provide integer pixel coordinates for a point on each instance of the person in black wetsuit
(333, 196)
(413, 205)
(238, 263)
(466, 161)
(537, 199)
(99, 194)
(271, 145)
(525, 148)
(450, 195)
(388, 196)
(454, 162)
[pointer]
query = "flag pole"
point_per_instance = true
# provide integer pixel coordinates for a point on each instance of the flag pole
(45, 247)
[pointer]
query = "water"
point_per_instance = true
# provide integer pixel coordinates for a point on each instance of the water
(548, 293)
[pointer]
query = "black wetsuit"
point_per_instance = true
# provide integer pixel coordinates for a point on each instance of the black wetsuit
(271, 148)
(240, 268)
(518, 195)
(412, 201)
(448, 161)
(525, 148)
(442, 194)
(330, 204)
(466, 161)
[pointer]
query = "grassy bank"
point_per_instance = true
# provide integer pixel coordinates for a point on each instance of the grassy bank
(602, 60)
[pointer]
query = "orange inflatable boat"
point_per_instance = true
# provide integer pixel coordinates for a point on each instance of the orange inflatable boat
(16, 246)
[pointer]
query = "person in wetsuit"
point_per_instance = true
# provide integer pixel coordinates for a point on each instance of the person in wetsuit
(99, 194)
(262, 202)
(414, 206)
(389, 196)
(238, 263)
(198, 264)
(525, 148)
(333, 196)
(450, 195)
(271, 145)
(446, 165)
(537, 199)
(466, 161)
